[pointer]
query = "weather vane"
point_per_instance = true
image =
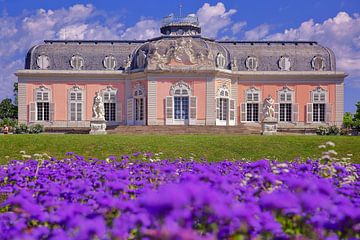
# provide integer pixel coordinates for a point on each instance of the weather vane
(180, 8)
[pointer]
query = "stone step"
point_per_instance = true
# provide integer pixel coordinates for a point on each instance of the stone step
(240, 129)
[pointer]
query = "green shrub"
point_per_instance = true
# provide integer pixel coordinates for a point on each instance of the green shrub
(331, 130)
(37, 128)
(21, 128)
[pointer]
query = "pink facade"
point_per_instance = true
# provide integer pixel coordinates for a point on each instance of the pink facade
(181, 78)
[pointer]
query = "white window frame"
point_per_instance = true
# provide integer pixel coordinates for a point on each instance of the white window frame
(223, 96)
(319, 96)
(287, 96)
(244, 110)
(252, 60)
(76, 91)
(139, 94)
(108, 60)
(180, 89)
(77, 62)
(42, 90)
(110, 91)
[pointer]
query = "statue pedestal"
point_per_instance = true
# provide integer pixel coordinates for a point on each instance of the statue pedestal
(269, 126)
(98, 126)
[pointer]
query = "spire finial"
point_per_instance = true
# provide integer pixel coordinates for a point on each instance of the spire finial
(180, 10)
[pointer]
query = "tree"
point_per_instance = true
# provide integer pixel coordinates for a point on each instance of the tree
(348, 120)
(357, 113)
(8, 109)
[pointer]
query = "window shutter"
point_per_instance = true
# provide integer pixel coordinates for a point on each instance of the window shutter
(260, 112)
(217, 108)
(145, 112)
(193, 103)
(32, 112)
(243, 112)
(51, 111)
(232, 112)
(169, 110)
(328, 113)
(276, 105)
(295, 112)
(118, 116)
(130, 111)
(309, 112)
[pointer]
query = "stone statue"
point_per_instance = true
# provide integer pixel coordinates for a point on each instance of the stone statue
(268, 109)
(98, 107)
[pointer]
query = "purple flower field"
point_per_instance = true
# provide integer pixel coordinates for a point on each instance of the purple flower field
(125, 198)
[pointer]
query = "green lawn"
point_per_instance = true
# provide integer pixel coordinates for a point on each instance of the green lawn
(212, 147)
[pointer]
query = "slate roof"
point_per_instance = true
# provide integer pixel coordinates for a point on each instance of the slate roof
(268, 53)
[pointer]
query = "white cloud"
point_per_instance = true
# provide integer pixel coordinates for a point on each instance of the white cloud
(214, 18)
(237, 27)
(341, 33)
(258, 32)
(144, 29)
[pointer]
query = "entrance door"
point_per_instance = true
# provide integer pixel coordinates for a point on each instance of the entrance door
(181, 109)
(223, 111)
(139, 110)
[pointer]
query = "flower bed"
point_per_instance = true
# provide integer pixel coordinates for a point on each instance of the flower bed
(74, 198)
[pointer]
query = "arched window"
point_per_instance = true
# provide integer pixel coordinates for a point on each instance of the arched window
(225, 107)
(42, 109)
(250, 109)
(318, 63)
(109, 62)
(76, 104)
(43, 62)
(110, 103)
(180, 107)
(284, 63)
(318, 110)
(251, 63)
(288, 110)
(77, 62)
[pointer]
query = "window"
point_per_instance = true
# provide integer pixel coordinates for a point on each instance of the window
(77, 62)
(139, 109)
(181, 102)
(252, 113)
(109, 96)
(285, 99)
(285, 112)
(139, 102)
(76, 101)
(43, 62)
(319, 104)
(251, 63)
(250, 109)
(42, 96)
(319, 112)
(109, 62)
(180, 107)
(284, 63)
(318, 63)
(225, 106)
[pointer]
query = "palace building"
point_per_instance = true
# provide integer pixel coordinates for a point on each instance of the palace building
(180, 78)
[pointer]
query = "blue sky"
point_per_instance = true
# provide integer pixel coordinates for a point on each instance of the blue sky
(333, 23)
